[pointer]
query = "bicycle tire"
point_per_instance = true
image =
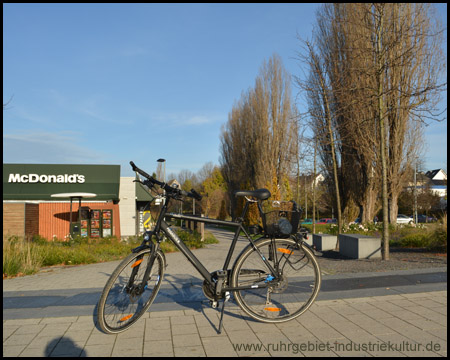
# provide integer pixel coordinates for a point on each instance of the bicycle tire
(120, 307)
(283, 300)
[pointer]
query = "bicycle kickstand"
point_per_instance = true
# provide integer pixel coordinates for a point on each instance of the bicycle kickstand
(226, 298)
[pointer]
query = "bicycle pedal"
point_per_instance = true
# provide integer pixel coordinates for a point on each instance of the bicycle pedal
(213, 304)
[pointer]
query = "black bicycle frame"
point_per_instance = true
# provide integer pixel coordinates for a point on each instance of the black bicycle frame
(162, 225)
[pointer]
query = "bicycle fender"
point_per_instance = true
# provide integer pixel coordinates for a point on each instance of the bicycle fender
(142, 247)
(150, 246)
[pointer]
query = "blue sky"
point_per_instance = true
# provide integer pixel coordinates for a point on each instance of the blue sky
(110, 83)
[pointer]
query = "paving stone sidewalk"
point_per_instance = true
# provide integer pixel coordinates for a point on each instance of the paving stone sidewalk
(52, 313)
(394, 325)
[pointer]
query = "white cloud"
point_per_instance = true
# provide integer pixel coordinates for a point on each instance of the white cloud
(185, 118)
(199, 120)
(48, 147)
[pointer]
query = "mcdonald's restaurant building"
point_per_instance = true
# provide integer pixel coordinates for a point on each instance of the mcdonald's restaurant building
(55, 200)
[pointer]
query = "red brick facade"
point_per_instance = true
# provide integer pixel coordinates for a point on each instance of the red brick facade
(49, 220)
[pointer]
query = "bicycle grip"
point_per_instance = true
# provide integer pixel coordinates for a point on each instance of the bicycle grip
(142, 172)
(196, 195)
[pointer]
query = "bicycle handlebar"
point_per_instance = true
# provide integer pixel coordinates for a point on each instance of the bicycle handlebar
(164, 186)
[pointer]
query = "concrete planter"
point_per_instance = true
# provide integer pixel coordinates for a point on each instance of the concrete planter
(357, 246)
(324, 242)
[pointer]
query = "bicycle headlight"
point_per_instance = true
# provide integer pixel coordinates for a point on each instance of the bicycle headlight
(147, 236)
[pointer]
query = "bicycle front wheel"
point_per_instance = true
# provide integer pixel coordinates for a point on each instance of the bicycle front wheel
(125, 297)
(280, 296)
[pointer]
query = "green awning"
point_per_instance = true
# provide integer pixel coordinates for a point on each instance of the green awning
(39, 181)
(142, 193)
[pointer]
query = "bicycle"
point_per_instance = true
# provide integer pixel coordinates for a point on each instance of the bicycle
(274, 279)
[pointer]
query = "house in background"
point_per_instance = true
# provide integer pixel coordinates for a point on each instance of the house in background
(434, 180)
(438, 186)
(438, 181)
(438, 174)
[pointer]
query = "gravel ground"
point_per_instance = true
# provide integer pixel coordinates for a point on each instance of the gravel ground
(331, 262)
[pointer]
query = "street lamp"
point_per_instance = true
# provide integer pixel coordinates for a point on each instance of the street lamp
(164, 175)
(164, 171)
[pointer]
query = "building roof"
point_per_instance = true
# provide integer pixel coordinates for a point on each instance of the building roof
(143, 193)
(437, 174)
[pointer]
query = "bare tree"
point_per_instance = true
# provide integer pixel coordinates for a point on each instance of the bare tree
(379, 61)
(320, 102)
(408, 60)
(382, 62)
(259, 139)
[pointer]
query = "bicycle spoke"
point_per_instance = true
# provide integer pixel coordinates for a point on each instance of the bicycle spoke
(289, 292)
(125, 297)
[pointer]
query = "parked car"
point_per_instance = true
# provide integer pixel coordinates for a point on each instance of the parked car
(327, 221)
(403, 219)
(425, 219)
(307, 222)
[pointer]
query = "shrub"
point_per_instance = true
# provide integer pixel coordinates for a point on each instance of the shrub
(26, 257)
(191, 239)
(438, 239)
(427, 236)
(20, 257)
(414, 241)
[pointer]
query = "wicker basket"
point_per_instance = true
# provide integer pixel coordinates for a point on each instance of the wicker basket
(281, 218)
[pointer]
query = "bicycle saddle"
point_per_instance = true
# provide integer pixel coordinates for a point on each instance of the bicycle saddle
(261, 194)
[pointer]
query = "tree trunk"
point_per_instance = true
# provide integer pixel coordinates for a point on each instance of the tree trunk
(332, 145)
(314, 188)
(393, 208)
(369, 205)
(383, 136)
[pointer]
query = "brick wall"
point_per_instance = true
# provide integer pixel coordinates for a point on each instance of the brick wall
(48, 219)
(54, 219)
(13, 219)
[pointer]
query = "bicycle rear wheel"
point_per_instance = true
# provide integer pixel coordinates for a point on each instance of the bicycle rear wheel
(125, 298)
(276, 300)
